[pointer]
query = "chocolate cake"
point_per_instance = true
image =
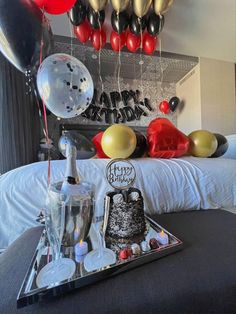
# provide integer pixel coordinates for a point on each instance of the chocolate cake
(126, 221)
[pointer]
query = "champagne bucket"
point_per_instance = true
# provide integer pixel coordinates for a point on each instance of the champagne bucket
(71, 216)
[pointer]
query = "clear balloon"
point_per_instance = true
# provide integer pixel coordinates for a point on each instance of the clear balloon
(22, 28)
(85, 148)
(65, 85)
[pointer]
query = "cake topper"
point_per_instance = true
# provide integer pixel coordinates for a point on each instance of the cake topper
(120, 174)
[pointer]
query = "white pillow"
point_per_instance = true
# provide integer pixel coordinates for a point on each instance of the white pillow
(231, 151)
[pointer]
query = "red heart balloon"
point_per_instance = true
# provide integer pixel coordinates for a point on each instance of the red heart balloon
(117, 41)
(97, 143)
(149, 43)
(55, 6)
(83, 31)
(98, 38)
(164, 107)
(133, 42)
(165, 140)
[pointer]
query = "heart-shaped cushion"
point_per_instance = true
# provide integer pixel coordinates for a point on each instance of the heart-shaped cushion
(165, 140)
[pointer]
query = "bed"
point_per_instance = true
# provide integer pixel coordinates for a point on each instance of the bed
(168, 185)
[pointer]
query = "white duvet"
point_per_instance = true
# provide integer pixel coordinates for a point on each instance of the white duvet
(167, 185)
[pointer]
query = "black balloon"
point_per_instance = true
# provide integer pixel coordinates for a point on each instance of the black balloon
(119, 21)
(155, 24)
(77, 14)
(22, 28)
(222, 145)
(96, 19)
(136, 24)
(141, 146)
(174, 102)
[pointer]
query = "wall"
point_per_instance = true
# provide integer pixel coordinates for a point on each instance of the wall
(209, 98)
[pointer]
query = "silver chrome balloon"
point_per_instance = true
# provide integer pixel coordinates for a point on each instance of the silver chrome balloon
(65, 85)
(85, 148)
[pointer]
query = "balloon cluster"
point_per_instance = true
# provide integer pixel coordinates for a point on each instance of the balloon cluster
(164, 140)
(88, 23)
(169, 106)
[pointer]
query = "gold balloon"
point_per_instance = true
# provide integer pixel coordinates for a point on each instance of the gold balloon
(98, 5)
(119, 141)
(141, 7)
(120, 5)
(162, 6)
(202, 143)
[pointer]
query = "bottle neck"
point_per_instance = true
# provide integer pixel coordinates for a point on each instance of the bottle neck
(71, 174)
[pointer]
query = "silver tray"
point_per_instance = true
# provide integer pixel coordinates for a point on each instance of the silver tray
(30, 293)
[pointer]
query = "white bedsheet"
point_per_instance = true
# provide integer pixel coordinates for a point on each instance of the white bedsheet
(167, 184)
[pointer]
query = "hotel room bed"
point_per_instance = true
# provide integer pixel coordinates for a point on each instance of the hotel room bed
(168, 185)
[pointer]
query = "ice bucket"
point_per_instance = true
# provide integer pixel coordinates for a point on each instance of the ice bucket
(70, 217)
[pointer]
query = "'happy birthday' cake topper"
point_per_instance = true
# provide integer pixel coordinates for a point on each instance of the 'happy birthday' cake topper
(120, 174)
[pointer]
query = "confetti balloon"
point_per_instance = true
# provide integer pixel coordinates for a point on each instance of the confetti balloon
(65, 85)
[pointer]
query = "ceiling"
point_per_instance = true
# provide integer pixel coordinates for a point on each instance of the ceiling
(201, 28)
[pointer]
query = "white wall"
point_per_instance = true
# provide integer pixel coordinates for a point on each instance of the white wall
(209, 98)
(201, 28)
(188, 90)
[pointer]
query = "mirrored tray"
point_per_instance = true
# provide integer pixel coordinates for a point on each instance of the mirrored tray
(30, 293)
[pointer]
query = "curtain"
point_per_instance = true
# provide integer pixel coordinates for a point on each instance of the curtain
(19, 119)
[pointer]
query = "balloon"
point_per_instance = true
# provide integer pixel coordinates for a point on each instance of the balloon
(96, 18)
(162, 6)
(21, 31)
(117, 40)
(83, 32)
(141, 7)
(85, 148)
(222, 145)
(133, 42)
(78, 13)
(98, 39)
(155, 24)
(55, 6)
(202, 143)
(65, 85)
(174, 102)
(141, 146)
(119, 21)
(119, 5)
(119, 141)
(97, 143)
(98, 5)
(149, 43)
(164, 107)
(165, 140)
(136, 24)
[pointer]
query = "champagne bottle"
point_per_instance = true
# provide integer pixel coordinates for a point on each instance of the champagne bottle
(71, 175)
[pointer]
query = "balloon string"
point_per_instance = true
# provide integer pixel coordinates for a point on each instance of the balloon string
(160, 57)
(119, 60)
(44, 107)
(71, 49)
(99, 54)
(141, 55)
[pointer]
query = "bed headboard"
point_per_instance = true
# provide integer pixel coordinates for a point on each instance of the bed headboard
(91, 130)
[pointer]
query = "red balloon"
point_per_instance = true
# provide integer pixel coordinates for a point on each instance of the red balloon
(97, 143)
(55, 6)
(165, 140)
(83, 32)
(117, 41)
(98, 38)
(133, 42)
(149, 43)
(164, 107)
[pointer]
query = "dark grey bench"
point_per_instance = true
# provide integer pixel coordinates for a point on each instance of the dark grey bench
(199, 279)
